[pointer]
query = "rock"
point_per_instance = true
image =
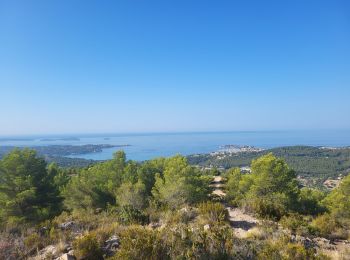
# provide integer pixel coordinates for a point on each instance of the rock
(185, 209)
(67, 248)
(98, 210)
(66, 257)
(206, 227)
(323, 243)
(67, 225)
(111, 245)
(46, 253)
(43, 231)
(307, 242)
(154, 225)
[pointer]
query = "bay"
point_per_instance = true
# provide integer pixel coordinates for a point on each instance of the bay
(144, 146)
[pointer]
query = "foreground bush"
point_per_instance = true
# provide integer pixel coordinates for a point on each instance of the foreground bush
(130, 215)
(327, 226)
(140, 243)
(283, 249)
(297, 225)
(87, 248)
(213, 211)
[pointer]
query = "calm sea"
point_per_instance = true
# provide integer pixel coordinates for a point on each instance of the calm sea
(147, 146)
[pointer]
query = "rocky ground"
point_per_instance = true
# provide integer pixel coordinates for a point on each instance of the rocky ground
(244, 224)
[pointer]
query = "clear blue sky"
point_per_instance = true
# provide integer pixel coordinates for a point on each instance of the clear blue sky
(150, 66)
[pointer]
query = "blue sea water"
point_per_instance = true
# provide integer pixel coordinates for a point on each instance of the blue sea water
(151, 145)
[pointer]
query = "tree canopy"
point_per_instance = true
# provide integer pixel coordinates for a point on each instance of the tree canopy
(27, 189)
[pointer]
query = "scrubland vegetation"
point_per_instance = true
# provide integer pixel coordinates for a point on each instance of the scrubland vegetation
(313, 164)
(164, 209)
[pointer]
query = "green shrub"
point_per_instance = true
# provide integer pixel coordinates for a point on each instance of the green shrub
(285, 250)
(328, 226)
(213, 211)
(272, 206)
(130, 215)
(138, 242)
(297, 252)
(87, 248)
(184, 215)
(33, 242)
(310, 201)
(297, 224)
(215, 243)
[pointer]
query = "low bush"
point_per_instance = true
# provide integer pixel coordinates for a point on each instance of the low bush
(297, 224)
(138, 242)
(87, 248)
(213, 211)
(33, 242)
(327, 226)
(269, 207)
(283, 249)
(130, 215)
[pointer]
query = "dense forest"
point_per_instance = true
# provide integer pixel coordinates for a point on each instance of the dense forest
(314, 164)
(166, 209)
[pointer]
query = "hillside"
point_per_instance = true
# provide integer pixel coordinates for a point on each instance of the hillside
(313, 165)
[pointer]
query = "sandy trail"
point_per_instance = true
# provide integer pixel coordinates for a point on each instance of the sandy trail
(241, 222)
(218, 185)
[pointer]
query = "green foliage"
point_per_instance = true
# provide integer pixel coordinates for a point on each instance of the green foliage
(87, 248)
(272, 175)
(338, 201)
(215, 243)
(213, 211)
(146, 173)
(310, 201)
(132, 194)
(237, 185)
(328, 226)
(297, 224)
(27, 189)
(130, 215)
(95, 187)
(271, 190)
(314, 164)
(109, 198)
(33, 242)
(114, 182)
(180, 184)
(140, 243)
(283, 249)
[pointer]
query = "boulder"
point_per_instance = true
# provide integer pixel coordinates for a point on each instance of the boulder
(67, 225)
(305, 241)
(111, 245)
(46, 253)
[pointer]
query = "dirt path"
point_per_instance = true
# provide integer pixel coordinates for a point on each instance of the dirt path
(217, 184)
(243, 223)
(240, 221)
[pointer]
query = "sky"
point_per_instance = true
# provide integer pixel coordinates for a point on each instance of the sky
(173, 66)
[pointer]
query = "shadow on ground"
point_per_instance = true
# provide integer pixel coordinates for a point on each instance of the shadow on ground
(245, 225)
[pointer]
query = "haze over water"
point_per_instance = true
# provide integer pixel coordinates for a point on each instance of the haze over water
(145, 146)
